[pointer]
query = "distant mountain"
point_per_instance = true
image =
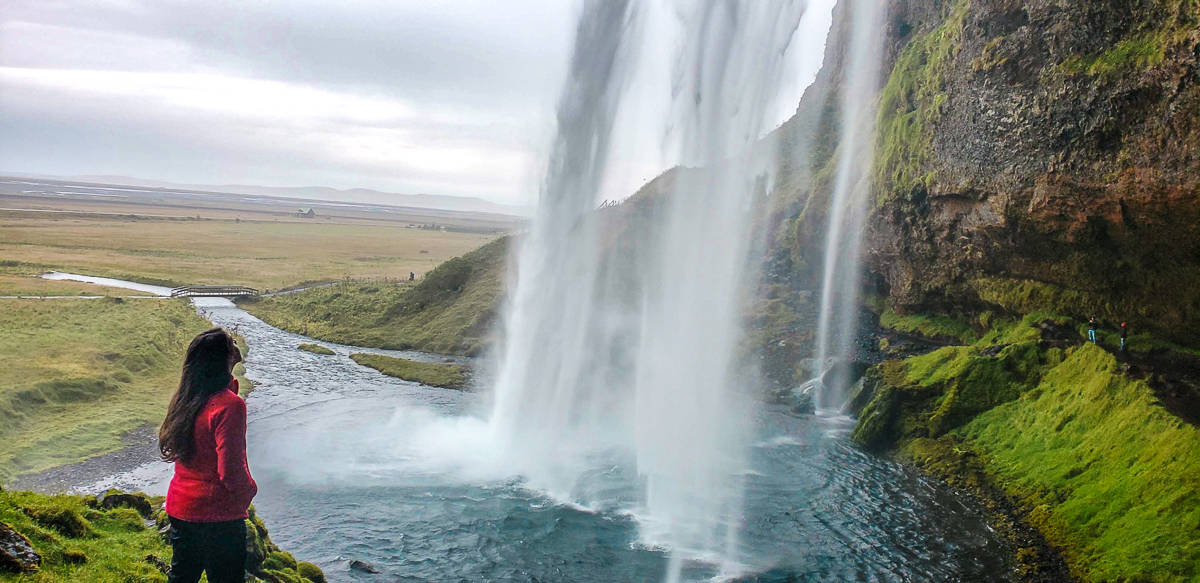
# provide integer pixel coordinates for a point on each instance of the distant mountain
(324, 193)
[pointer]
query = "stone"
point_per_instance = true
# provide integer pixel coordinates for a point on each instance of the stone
(16, 552)
(363, 566)
(137, 502)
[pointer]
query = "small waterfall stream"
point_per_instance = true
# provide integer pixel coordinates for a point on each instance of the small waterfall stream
(848, 204)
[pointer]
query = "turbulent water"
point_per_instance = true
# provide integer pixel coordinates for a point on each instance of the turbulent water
(355, 465)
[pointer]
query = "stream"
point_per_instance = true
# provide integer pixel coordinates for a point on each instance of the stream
(355, 465)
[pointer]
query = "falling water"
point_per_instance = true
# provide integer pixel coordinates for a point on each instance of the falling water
(623, 325)
(836, 327)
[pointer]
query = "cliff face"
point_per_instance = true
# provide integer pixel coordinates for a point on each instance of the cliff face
(1042, 155)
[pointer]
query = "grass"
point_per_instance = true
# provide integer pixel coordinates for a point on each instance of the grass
(1099, 466)
(929, 326)
(448, 312)
(79, 374)
(1111, 475)
(79, 541)
(259, 254)
(1143, 50)
(434, 374)
(315, 349)
(113, 549)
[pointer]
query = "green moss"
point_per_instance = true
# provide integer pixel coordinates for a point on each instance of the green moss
(315, 349)
(310, 572)
(991, 57)
(66, 520)
(113, 547)
(929, 326)
(1025, 296)
(435, 374)
(1109, 473)
(910, 107)
(449, 311)
(1144, 50)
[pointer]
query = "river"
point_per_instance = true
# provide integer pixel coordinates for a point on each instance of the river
(354, 465)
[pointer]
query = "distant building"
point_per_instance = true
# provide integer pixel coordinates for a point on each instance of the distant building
(306, 212)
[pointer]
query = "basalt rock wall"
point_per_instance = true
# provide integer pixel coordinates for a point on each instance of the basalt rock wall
(1041, 155)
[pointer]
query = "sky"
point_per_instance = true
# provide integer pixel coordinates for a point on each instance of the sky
(448, 97)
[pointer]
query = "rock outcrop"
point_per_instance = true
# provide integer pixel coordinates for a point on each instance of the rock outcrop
(16, 552)
(1042, 155)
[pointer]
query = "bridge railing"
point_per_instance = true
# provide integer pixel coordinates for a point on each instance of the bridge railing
(223, 291)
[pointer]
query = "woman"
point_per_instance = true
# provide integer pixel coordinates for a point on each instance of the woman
(205, 435)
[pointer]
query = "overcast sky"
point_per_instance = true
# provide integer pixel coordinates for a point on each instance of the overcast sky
(441, 97)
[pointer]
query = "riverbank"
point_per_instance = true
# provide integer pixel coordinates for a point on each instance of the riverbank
(1058, 434)
(81, 375)
(116, 536)
(449, 311)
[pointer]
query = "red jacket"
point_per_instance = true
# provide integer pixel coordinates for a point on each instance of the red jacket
(215, 484)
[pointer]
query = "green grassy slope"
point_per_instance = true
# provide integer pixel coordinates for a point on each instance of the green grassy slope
(448, 311)
(1088, 454)
(80, 373)
(78, 540)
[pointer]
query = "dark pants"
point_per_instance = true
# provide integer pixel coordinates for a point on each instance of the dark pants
(218, 548)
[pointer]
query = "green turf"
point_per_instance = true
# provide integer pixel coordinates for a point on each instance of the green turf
(315, 349)
(81, 543)
(78, 374)
(449, 311)
(1113, 478)
(450, 376)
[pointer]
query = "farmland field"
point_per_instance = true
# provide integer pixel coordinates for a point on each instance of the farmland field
(260, 254)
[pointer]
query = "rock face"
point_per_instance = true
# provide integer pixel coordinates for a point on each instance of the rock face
(16, 553)
(1042, 155)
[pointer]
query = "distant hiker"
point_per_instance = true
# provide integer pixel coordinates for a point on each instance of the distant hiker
(1092, 329)
(204, 433)
(1124, 334)
(411, 276)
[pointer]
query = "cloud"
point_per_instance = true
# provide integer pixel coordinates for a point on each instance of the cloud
(401, 96)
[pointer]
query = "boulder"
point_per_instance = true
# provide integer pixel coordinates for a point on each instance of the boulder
(137, 502)
(16, 552)
(362, 566)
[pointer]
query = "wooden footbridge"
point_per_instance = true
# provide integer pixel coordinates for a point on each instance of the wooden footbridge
(213, 291)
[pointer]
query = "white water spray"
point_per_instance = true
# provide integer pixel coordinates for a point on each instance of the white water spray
(848, 205)
(622, 328)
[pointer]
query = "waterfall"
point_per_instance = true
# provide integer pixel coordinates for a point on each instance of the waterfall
(849, 203)
(622, 328)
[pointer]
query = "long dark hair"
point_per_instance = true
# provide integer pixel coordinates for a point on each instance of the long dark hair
(206, 367)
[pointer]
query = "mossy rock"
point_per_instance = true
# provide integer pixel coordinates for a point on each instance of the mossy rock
(311, 572)
(66, 521)
(279, 561)
(137, 501)
(17, 554)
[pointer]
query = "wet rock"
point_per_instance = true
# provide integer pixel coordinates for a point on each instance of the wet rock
(362, 566)
(137, 502)
(801, 399)
(16, 552)
(842, 374)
